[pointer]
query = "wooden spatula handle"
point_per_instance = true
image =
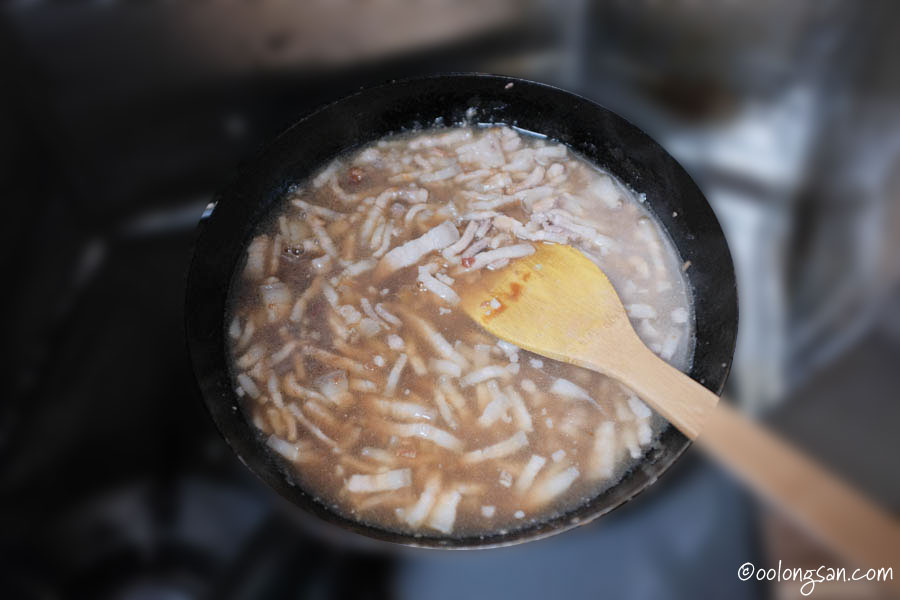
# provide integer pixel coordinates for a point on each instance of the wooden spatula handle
(681, 400)
(827, 508)
(819, 502)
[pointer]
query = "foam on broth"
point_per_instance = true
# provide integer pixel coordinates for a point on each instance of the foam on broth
(391, 405)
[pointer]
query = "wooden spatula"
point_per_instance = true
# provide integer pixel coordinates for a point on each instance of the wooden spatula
(559, 304)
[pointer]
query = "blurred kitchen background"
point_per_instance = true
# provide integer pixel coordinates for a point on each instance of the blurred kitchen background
(119, 120)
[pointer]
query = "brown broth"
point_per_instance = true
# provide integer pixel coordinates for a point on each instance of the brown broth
(313, 361)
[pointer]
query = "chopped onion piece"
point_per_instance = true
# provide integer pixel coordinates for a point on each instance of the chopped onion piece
(484, 374)
(379, 454)
(326, 175)
(381, 482)
(385, 241)
(416, 514)
(415, 210)
(641, 311)
(334, 386)
(437, 341)
(251, 357)
(418, 365)
(444, 367)
(531, 470)
(452, 394)
(555, 151)
(428, 432)
(284, 448)
(274, 292)
(444, 409)
(442, 174)
(496, 408)
(248, 385)
(370, 312)
(567, 389)
(298, 391)
(533, 179)
(317, 410)
(384, 314)
(504, 448)
(640, 410)
(323, 263)
(349, 313)
(510, 350)
(322, 236)
(553, 486)
(362, 385)
(330, 295)
(274, 390)
(644, 433)
(256, 257)
(394, 375)
(485, 152)
(369, 327)
(528, 386)
(670, 345)
(335, 360)
(358, 268)
(603, 454)
(454, 136)
(283, 353)
(521, 416)
(303, 301)
(629, 438)
(405, 410)
(234, 330)
(443, 515)
(313, 429)
(319, 211)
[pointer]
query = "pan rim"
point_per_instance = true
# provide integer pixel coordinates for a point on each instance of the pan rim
(678, 443)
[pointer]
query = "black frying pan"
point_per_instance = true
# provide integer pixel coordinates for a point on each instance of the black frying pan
(596, 133)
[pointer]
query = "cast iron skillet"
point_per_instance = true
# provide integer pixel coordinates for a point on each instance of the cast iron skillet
(596, 133)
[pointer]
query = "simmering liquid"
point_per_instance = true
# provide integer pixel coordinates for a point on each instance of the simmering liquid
(386, 401)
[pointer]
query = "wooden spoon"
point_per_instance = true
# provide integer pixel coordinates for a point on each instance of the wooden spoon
(559, 304)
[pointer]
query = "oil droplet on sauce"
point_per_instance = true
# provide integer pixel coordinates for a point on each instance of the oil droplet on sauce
(505, 297)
